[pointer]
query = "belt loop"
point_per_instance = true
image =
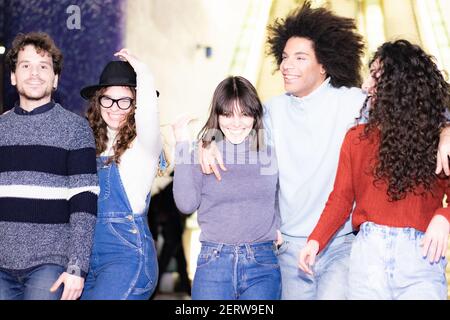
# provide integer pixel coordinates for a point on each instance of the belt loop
(219, 249)
(249, 250)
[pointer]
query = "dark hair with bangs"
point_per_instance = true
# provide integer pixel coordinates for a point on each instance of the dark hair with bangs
(337, 44)
(230, 92)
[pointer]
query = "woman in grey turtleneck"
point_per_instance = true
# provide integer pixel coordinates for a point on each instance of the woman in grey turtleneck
(238, 215)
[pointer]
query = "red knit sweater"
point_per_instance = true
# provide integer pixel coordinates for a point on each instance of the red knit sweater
(354, 184)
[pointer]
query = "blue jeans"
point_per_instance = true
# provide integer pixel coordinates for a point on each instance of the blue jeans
(387, 263)
(241, 272)
(31, 284)
(329, 281)
(123, 261)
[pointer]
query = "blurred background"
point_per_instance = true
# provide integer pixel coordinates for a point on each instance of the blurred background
(191, 45)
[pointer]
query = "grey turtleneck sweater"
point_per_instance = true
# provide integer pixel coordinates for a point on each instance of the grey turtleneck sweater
(242, 207)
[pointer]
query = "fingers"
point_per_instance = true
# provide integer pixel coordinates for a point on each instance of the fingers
(56, 285)
(220, 162)
(123, 51)
(426, 242)
(200, 156)
(438, 253)
(66, 293)
(443, 159)
(442, 162)
(180, 127)
(204, 163)
(311, 261)
(438, 163)
(71, 294)
(217, 156)
(279, 241)
(306, 261)
(444, 249)
(72, 290)
(207, 160)
(75, 294)
(215, 170)
(432, 251)
(125, 55)
(183, 121)
(302, 261)
(441, 248)
(445, 165)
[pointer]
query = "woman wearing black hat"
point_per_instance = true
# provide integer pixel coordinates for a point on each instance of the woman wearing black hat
(125, 121)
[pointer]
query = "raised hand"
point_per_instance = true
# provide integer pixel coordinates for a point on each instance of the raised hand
(180, 127)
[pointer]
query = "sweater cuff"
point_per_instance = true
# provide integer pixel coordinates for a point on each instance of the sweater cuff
(315, 236)
(443, 212)
(76, 271)
(182, 153)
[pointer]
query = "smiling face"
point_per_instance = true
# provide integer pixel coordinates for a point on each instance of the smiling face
(114, 116)
(301, 71)
(236, 126)
(34, 77)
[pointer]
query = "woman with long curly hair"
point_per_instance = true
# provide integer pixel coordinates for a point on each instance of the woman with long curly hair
(124, 118)
(387, 172)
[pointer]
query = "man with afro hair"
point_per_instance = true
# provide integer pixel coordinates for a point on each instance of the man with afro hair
(319, 56)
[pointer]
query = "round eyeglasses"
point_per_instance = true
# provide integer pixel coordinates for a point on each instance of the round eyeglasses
(122, 103)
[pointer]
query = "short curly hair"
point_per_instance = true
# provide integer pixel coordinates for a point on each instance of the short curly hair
(42, 42)
(337, 44)
(407, 113)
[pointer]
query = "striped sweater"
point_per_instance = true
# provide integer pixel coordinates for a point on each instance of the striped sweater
(48, 189)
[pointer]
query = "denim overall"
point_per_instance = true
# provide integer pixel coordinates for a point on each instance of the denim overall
(123, 262)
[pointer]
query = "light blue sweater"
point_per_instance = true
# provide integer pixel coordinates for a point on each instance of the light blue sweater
(307, 134)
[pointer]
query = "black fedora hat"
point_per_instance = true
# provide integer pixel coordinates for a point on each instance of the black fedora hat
(115, 73)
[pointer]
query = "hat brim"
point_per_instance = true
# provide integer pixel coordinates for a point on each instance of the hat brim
(89, 92)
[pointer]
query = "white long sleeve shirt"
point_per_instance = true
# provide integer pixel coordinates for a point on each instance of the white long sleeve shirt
(138, 164)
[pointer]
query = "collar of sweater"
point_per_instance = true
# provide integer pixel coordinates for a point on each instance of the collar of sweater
(314, 95)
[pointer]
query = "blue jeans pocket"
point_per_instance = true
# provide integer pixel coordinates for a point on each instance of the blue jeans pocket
(266, 258)
(205, 259)
(123, 232)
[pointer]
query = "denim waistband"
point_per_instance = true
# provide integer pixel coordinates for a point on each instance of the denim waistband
(408, 232)
(238, 248)
(302, 240)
